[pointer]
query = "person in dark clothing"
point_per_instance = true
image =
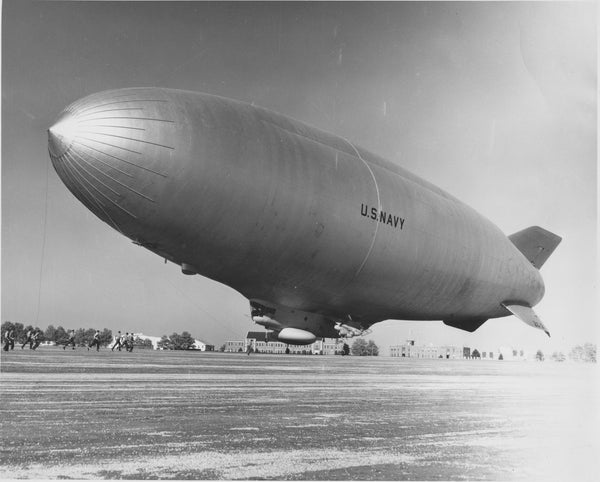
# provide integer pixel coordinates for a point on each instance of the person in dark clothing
(118, 342)
(9, 339)
(36, 339)
(28, 336)
(95, 341)
(71, 340)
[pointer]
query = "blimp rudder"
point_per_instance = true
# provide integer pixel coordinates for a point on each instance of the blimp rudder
(536, 244)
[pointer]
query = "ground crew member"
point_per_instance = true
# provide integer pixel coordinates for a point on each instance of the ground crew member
(118, 342)
(28, 339)
(71, 340)
(36, 339)
(9, 339)
(95, 341)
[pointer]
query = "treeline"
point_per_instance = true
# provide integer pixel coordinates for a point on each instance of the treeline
(362, 347)
(185, 341)
(58, 335)
(581, 353)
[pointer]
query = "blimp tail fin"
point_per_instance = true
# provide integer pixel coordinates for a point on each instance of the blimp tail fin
(467, 324)
(536, 244)
(527, 315)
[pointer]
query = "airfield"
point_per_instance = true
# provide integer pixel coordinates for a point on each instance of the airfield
(187, 415)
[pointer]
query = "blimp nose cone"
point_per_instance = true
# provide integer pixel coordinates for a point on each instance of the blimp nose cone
(61, 135)
(113, 151)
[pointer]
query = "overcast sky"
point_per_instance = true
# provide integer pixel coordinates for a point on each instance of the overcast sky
(493, 102)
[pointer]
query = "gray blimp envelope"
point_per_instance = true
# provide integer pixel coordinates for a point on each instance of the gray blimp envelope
(322, 237)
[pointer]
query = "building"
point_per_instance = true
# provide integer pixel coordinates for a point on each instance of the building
(264, 342)
(235, 346)
(200, 345)
(153, 339)
(410, 350)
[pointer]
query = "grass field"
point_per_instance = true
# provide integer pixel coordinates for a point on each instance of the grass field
(177, 415)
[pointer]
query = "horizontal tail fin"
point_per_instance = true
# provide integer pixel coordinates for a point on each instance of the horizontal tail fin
(527, 315)
(536, 244)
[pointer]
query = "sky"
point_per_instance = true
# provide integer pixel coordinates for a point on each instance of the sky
(495, 103)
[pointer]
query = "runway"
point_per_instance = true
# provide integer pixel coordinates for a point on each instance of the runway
(187, 415)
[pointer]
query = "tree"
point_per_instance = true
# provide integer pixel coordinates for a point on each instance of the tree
(475, 354)
(59, 335)
(222, 348)
(106, 337)
(590, 352)
(50, 333)
(558, 356)
(165, 343)
(585, 353)
(359, 347)
(372, 348)
(539, 356)
(88, 336)
(80, 337)
(145, 342)
(185, 341)
(177, 341)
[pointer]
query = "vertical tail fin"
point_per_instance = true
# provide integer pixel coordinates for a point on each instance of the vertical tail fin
(536, 244)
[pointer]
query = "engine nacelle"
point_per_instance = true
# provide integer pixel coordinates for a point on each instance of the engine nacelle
(347, 331)
(268, 322)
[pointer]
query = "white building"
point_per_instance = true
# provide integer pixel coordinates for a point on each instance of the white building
(200, 345)
(260, 342)
(410, 350)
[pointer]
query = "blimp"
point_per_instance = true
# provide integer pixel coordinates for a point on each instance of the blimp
(321, 236)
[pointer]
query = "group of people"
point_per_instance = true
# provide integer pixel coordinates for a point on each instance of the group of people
(33, 338)
(123, 341)
(70, 341)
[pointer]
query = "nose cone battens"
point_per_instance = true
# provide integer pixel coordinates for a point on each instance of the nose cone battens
(111, 148)
(60, 136)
